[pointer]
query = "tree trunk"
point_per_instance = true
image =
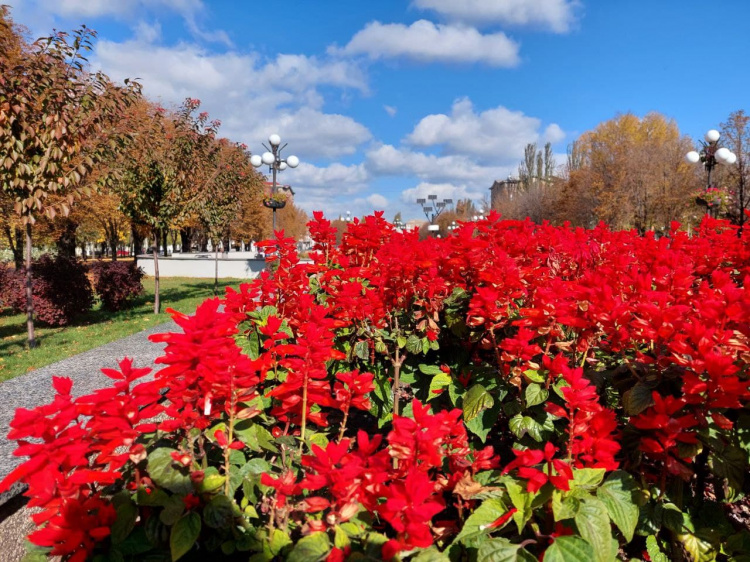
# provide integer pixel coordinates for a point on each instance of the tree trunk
(185, 235)
(137, 242)
(29, 300)
(15, 243)
(164, 241)
(157, 304)
(66, 241)
(216, 269)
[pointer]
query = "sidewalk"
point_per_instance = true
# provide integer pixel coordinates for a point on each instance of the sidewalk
(35, 388)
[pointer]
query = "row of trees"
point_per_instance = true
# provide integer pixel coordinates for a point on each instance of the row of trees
(631, 173)
(81, 156)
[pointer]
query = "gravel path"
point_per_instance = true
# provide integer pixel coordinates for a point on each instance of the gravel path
(35, 388)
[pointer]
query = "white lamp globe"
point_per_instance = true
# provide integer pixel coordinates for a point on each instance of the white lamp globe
(282, 166)
(732, 158)
(712, 135)
(722, 155)
(268, 158)
(293, 161)
(693, 157)
(256, 160)
(274, 139)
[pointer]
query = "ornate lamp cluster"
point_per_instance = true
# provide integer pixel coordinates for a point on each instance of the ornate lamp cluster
(272, 158)
(711, 154)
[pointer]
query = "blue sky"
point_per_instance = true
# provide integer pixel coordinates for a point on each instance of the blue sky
(385, 101)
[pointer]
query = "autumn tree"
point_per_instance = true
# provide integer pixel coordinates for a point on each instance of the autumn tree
(629, 172)
(736, 137)
(164, 169)
(56, 123)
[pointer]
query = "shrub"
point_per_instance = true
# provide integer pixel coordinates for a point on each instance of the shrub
(60, 289)
(510, 392)
(117, 282)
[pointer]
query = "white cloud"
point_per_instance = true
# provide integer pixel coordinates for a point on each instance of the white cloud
(330, 188)
(556, 15)
(377, 201)
(425, 41)
(387, 160)
(390, 110)
(253, 97)
(497, 135)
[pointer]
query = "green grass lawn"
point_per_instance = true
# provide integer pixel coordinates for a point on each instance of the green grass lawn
(98, 326)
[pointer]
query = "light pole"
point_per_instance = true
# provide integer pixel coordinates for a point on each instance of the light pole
(710, 155)
(272, 158)
(432, 209)
(452, 226)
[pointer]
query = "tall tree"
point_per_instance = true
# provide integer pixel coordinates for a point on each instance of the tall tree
(630, 172)
(736, 136)
(165, 169)
(56, 122)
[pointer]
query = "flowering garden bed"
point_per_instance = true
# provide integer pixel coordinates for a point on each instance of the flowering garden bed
(511, 392)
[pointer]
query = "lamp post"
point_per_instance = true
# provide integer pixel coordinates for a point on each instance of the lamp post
(452, 226)
(272, 158)
(710, 155)
(432, 209)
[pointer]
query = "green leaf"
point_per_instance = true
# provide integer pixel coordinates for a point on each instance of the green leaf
(212, 481)
(362, 350)
(127, 513)
(587, 478)
(431, 554)
(730, 463)
(184, 534)
(153, 498)
(520, 425)
(255, 436)
(637, 399)
(278, 540)
(164, 471)
(535, 394)
(414, 344)
(401, 342)
(592, 521)
(483, 423)
(476, 400)
(569, 548)
(534, 376)
(340, 538)
(521, 500)
(476, 525)
(173, 510)
(564, 506)
(617, 495)
(430, 370)
(311, 548)
(219, 512)
(502, 550)
(438, 383)
(654, 552)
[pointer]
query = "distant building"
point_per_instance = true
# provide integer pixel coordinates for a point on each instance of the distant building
(286, 189)
(504, 189)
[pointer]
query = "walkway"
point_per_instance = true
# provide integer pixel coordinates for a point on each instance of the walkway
(35, 388)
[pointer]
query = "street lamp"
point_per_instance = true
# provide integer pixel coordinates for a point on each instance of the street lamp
(347, 218)
(432, 208)
(452, 226)
(272, 158)
(710, 155)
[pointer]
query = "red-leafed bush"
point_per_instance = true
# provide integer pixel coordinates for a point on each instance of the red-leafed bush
(510, 392)
(116, 283)
(60, 287)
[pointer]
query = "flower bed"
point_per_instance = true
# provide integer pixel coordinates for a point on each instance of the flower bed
(511, 392)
